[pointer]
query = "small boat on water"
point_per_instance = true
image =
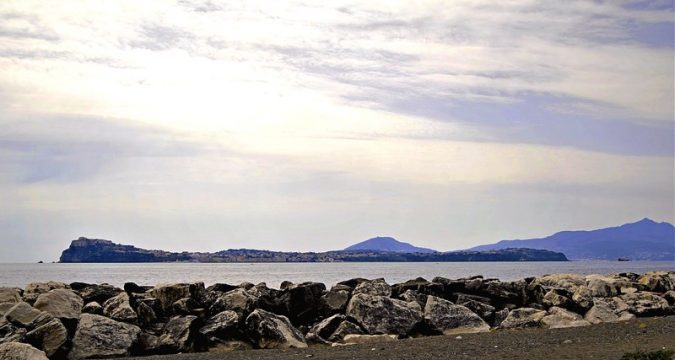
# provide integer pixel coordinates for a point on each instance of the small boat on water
(623, 259)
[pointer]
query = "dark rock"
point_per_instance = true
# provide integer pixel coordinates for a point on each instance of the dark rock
(449, 318)
(131, 288)
(146, 315)
(334, 301)
(49, 337)
(485, 311)
(271, 331)
(341, 287)
(351, 283)
(168, 294)
(180, 334)
(118, 308)
(462, 298)
(223, 325)
(19, 351)
(10, 332)
(285, 284)
(303, 301)
(499, 317)
(220, 287)
(323, 330)
(99, 293)
(99, 337)
(93, 308)
(670, 297)
(246, 285)
(384, 315)
(148, 344)
(184, 306)
(60, 303)
(414, 285)
(344, 329)
(77, 285)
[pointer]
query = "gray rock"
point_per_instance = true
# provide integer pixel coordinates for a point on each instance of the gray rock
(168, 294)
(22, 314)
(93, 308)
(449, 318)
(602, 288)
(4, 307)
(98, 337)
(377, 287)
(320, 332)
(334, 301)
(523, 317)
(485, 311)
(237, 300)
(383, 315)
(608, 310)
(146, 315)
(48, 337)
(561, 318)
(271, 331)
(646, 304)
(345, 328)
(19, 351)
(60, 303)
(33, 290)
(414, 296)
(11, 295)
(179, 334)
(118, 308)
(223, 325)
(500, 316)
(557, 297)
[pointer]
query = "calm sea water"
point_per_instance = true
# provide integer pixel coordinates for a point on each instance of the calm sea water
(329, 273)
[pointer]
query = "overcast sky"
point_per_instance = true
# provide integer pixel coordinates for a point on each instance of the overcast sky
(200, 125)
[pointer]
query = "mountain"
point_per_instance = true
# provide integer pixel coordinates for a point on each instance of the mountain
(85, 250)
(641, 240)
(387, 244)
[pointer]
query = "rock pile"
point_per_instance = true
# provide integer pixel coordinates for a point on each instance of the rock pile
(82, 321)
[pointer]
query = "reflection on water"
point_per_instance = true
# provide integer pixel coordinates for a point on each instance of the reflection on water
(329, 273)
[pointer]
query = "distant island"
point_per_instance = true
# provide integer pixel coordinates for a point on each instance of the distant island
(641, 240)
(84, 250)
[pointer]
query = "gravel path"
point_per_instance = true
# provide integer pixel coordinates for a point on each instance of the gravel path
(603, 341)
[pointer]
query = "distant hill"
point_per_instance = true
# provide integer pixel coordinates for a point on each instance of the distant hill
(641, 240)
(387, 244)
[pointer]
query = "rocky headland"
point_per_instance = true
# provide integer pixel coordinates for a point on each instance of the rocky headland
(82, 321)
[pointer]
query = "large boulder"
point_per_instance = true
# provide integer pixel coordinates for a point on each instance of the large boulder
(33, 290)
(22, 314)
(660, 281)
(448, 318)
(302, 302)
(180, 334)
(561, 318)
(523, 317)
(384, 315)
(583, 298)
(608, 310)
(99, 337)
(343, 330)
(146, 314)
(271, 331)
(602, 287)
(10, 295)
(49, 337)
(559, 298)
(568, 282)
(485, 311)
(93, 308)
(60, 303)
(377, 287)
(646, 304)
(320, 332)
(168, 294)
(334, 301)
(223, 325)
(98, 292)
(118, 308)
(19, 351)
(237, 300)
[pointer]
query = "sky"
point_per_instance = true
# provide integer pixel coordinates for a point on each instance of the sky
(309, 126)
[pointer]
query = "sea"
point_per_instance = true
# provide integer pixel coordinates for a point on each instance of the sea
(273, 274)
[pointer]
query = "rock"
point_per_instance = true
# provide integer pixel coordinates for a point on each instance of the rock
(499, 317)
(351, 283)
(523, 317)
(220, 287)
(608, 310)
(93, 308)
(368, 339)
(377, 287)
(568, 282)
(558, 297)
(179, 334)
(184, 306)
(60, 303)
(33, 290)
(414, 296)
(223, 325)
(303, 301)
(22, 314)
(501, 293)
(320, 332)
(345, 328)
(561, 318)
(229, 345)
(602, 288)
(19, 351)
(271, 331)
(9, 332)
(334, 301)
(99, 337)
(237, 300)
(485, 311)
(646, 304)
(670, 297)
(583, 298)
(148, 344)
(462, 298)
(146, 315)
(246, 285)
(660, 281)
(448, 318)
(49, 337)
(99, 293)
(131, 288)
(383, 315)
(118, 308)
(4, 307)
(167, 294)
(10, 295)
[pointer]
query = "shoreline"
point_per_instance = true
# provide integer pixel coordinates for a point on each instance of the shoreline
(69, 320)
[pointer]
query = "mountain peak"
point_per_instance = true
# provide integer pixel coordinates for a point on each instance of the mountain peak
(386, 243)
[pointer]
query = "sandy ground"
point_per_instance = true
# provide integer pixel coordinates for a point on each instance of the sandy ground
(603, 341)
